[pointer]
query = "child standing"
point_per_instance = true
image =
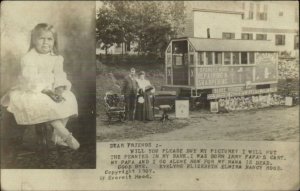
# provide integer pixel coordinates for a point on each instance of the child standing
(43, 94)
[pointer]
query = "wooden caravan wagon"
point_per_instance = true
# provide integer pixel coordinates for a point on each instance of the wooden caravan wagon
(220, 68)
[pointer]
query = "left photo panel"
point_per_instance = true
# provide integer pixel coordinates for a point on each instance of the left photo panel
(48, 85)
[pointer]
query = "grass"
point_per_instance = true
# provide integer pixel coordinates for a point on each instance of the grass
(137, 129)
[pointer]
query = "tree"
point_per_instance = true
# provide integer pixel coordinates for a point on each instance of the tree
(149, 23)
(108, 29)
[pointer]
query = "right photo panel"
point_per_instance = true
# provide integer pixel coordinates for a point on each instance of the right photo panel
(182, 70)
(193, 86)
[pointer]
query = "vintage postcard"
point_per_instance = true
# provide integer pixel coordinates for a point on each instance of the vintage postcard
(150, 95)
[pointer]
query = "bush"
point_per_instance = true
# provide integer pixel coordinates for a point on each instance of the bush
(288, 69)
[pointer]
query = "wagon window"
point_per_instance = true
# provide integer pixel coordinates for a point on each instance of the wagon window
(279, 39)
(228, 35)
(227, 58)
(235, 58)
(244, 58)
(177, 60)
(261, 36)
(200, 58)
(191, 59)
(209, 58)
(251, 58)
(218, 58)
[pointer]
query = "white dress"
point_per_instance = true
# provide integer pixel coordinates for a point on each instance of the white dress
(27, 103)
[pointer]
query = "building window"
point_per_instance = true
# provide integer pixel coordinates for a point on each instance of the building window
(244, 58)
(280, 14)
(209, 58)
(227, 58)
(296, 43)
(265, 13)
(200, 58)
(208, 32)
(226, 35)
(261, 36)
(247, 36)
(257, 11)
(251, 58)
(261, 15)
(218, 58)
(243, 6)
(235, 58)
(251, 11)
(279, 39)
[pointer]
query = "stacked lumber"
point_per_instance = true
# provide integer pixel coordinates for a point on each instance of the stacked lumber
(251, 102)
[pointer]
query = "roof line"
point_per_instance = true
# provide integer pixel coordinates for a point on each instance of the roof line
(216, 39)
(218, 11)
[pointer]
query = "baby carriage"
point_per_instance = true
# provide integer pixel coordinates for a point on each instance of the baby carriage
(114, 106)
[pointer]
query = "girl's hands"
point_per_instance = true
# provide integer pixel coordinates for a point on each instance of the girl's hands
(59, 90)
(56, 95)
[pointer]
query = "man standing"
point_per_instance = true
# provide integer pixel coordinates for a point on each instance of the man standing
(129, 90)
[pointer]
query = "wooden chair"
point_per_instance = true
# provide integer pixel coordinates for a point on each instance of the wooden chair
(44, 132)
(12, 138)
(114, 106)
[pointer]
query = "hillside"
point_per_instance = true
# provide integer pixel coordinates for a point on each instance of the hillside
(110, 78)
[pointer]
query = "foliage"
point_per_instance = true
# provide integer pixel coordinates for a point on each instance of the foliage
(107, 28)
(151, 24)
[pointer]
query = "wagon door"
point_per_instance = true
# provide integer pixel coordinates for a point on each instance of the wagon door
(180, 62)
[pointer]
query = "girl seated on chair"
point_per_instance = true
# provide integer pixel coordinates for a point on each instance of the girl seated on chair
(43, 94)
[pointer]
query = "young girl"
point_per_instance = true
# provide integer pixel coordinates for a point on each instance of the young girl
(43, 94)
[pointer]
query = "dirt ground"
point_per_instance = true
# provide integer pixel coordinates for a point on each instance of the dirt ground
(278, 123)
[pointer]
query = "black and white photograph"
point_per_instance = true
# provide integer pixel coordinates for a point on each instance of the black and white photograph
(197, 70)
(48, 85)
(149, 95)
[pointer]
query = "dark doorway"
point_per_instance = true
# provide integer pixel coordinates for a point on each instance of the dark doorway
(180, 62)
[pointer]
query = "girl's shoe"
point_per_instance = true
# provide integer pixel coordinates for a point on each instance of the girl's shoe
(72, 142)
(58, 140)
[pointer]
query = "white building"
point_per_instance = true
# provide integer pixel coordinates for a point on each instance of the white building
(277, 21)
(121, 48)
